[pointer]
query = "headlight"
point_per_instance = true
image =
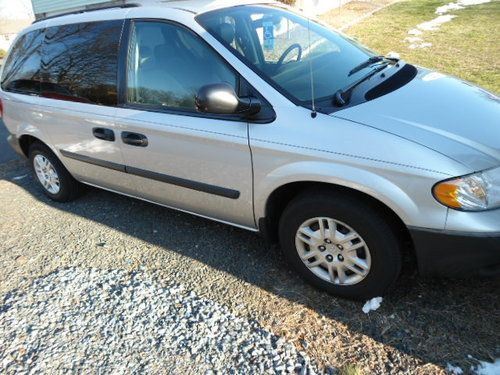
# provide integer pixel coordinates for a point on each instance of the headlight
(475, 192)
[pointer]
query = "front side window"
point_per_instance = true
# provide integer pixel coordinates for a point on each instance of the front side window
(22, 69)
(283, 47)
(168, 64)
(80, 62)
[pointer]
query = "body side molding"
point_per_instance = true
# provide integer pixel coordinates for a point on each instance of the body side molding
(172, 180)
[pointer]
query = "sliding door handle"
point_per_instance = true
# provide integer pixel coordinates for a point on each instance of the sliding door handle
(134, 139)
(104, 134)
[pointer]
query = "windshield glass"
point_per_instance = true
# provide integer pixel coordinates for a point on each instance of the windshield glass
(282, 46)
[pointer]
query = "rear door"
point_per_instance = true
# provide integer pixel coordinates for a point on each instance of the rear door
(174, 155)
(78, 100)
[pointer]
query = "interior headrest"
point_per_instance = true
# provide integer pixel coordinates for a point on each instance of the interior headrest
(227, 32)
(145, 51)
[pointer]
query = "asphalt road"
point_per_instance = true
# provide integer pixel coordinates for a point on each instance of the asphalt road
(6, 152)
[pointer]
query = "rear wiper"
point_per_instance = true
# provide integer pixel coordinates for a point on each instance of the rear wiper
(339, 97)
(370, 61)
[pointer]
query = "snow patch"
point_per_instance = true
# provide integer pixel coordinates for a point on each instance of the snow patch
(415, 32)
(393, 55)
(488, 368)
(420, 45)
(413, 39)
(19, 177)
(454, 369)
(434, 24)
(372, 304)
(460, 4)
(448, 7)
(467, 3)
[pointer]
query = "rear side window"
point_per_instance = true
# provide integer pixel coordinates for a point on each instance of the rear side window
(80, 62)
(22, 69)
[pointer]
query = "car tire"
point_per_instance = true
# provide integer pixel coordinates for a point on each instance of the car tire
(363, 257)
(55, 180)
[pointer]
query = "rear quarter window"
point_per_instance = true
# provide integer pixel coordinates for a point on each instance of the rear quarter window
(22, 71)
(80, 62)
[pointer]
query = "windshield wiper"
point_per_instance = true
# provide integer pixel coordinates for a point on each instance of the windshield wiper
(339, 96)
(372, 60)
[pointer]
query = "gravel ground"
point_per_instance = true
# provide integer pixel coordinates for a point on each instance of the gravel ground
(84, 320)
(420, 328)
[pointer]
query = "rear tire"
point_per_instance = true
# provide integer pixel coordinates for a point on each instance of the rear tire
(340, 244)
(55, 180)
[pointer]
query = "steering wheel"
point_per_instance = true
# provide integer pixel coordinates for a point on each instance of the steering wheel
(287, 52)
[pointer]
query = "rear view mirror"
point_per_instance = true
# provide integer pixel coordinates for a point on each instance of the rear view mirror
(221, 99)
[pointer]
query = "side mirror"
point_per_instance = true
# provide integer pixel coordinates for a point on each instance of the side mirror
(220, 98)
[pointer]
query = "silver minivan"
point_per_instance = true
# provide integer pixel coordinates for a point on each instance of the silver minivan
(251, 114)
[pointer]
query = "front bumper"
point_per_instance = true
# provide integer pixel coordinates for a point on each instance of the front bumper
(450, 253)
(14, 143)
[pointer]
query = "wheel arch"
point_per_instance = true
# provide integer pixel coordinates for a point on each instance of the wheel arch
(282, 195)
(26, 140)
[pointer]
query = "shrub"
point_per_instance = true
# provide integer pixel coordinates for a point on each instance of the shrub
(2, 53)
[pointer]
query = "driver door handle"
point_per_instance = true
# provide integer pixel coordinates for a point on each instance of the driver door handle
(134, 139)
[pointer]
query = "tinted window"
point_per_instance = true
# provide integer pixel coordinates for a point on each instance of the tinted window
(22, 70)
(168, 64)
(80, 62)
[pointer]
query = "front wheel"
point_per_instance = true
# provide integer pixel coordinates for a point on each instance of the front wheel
(340, 244)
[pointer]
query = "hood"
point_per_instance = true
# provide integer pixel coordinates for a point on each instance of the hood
(442, 113)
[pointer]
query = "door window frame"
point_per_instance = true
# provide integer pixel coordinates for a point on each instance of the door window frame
(243, 86)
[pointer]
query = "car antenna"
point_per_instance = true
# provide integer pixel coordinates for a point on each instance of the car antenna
(313, 101)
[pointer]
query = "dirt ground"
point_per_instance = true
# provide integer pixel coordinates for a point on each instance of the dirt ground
(421, 326)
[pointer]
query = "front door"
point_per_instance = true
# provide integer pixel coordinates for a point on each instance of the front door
(174, 155)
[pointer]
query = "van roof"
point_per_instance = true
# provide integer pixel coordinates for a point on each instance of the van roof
(202, 6)
(194, 7)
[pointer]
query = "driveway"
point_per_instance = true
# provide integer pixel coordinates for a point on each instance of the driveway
(107, 281)
(6, 152)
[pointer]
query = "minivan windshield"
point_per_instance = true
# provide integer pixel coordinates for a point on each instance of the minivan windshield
(283, 47)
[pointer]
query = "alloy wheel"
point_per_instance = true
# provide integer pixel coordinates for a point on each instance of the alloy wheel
(47, 174)
(333, 251)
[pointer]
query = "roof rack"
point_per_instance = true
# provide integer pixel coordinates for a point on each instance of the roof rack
(130, 5)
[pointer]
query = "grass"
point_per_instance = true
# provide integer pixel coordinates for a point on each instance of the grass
(351, 370)
(351, 11)
(467, 47)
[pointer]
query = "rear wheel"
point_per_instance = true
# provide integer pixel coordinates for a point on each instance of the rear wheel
(340, 244)
(55, 180)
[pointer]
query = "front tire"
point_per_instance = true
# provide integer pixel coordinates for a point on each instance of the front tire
(340, 244)
(55, 180)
